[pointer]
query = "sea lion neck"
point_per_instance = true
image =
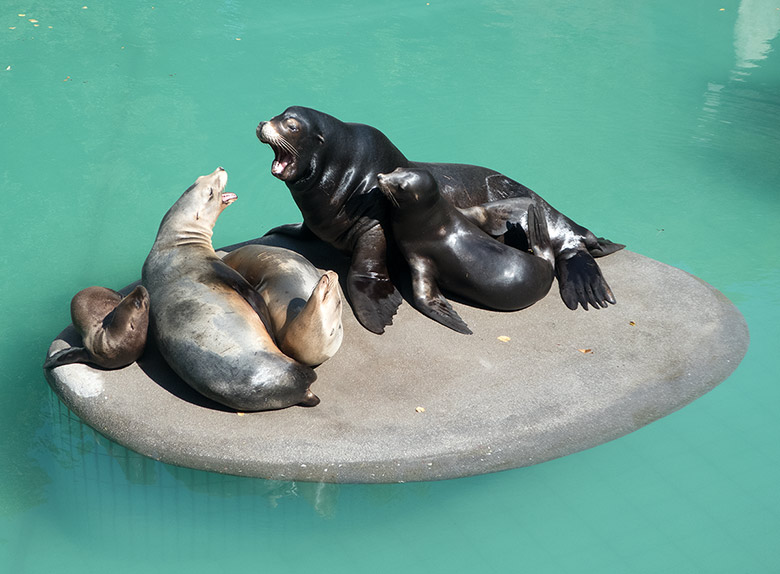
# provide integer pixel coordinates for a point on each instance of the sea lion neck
(190, 221)
(180, 230)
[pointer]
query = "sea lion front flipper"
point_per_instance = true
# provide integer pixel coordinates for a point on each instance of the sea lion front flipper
(67, 357)
(493, 217)
(602, 247)
(294, 230)
(429, 300)
(373, 296)
(580, 280)
(236, 281)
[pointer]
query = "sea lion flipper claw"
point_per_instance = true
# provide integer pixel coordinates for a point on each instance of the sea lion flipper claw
(580, 281)
(372, 295)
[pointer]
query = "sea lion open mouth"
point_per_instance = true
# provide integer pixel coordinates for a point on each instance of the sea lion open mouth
(228, 198)
(282, 161)
(284, 164)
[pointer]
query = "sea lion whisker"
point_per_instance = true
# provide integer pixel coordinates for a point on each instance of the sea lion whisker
(279, 141)
(289, 147)
(392, 199)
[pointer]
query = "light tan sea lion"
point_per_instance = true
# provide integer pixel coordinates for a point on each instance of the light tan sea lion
(305, 304)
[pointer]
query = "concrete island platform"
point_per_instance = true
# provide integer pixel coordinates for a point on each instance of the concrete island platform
(422, 402)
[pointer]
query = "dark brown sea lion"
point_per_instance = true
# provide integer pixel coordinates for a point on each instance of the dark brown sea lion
(112, 327)
(445, 249)
(211, 326)
(304, 303)
(330, 168)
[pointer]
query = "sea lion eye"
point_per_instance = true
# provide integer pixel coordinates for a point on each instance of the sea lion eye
(211, 192)
(292, 125)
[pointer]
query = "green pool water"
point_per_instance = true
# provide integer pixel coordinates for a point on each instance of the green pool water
(656, 124)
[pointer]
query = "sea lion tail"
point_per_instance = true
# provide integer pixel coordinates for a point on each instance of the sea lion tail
(67, 357)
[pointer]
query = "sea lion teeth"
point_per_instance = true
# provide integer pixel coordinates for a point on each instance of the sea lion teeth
(278, 167)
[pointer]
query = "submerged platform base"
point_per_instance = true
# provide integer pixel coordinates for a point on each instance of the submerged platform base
(422, 402)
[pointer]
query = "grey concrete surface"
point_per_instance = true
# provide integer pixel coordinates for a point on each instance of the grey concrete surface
(422, 402)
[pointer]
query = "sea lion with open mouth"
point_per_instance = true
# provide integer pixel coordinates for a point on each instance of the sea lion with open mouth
(330, 168)
(211, 326)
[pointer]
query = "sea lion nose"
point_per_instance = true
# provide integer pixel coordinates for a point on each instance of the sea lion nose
(259, 128)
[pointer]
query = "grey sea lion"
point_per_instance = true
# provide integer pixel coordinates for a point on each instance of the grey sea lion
(113, 328)
(445, 249)
(211, 326)
(330, 168)
(304, 304)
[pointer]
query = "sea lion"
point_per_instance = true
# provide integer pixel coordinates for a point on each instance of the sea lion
(304, 304)
(330, 168)
(112, 327)
(211, 326)
(444, 248)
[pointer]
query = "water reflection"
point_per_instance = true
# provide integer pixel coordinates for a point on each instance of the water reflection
(99, 470)
(758, 22)
(738, 109)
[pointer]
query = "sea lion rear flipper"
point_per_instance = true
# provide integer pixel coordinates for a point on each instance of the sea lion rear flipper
(429, 300)
(603, 247)
(538, 235)
(310, 400)
(373, 296)
(67, 357)
(580, 280)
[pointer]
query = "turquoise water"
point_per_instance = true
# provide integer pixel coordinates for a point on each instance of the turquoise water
(656, 124)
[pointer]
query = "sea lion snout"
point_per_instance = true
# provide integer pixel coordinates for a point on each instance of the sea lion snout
(259, 130)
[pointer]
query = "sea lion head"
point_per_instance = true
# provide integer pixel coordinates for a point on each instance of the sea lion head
(297, 136)
(122, 338)
(405, 187)
(316, 333)
(134, 309)
(196, 211)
